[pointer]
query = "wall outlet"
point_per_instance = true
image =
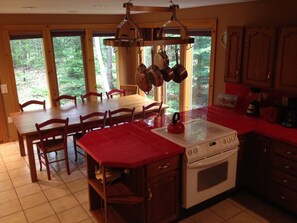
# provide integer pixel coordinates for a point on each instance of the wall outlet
(4, 89)
(284, 101)
(9, 119)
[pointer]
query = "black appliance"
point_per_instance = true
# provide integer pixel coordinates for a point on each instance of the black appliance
(289, 117)
(254, 101)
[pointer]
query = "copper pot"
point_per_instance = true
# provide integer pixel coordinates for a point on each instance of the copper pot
(154, 73)
(180, 73)
(142, 79)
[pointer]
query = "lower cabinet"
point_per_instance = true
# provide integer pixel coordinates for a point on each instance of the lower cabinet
(271, 170)
(149, 193)
(256, 163)
(283, 175)
(163, 200)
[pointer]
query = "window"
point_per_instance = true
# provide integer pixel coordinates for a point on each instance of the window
(69, 63)
(105, 63)
(200, 51)
(172, 88)
(29, 68)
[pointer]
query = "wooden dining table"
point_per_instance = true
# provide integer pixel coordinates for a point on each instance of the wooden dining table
(25, 121)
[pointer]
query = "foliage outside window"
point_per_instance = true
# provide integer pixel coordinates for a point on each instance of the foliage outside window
(105, 65)
(201, 70)
(29, 69)
(69, 65)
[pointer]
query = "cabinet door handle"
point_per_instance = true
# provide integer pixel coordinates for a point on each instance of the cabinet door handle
(287, 167)
(285, 181)
(237, 72)
(283, 197)
(163, 167)
(289, 153)
(268, 75)
(150, 194)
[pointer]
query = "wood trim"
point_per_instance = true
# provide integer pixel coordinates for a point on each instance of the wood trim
(88, 55)
(3, 122)
(50, 67)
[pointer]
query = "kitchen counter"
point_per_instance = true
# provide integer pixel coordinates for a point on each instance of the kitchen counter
(127, 146)
(242, 123)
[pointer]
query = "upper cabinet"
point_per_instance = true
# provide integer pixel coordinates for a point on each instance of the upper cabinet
(233, 54)
(286, 69)
(259, 53)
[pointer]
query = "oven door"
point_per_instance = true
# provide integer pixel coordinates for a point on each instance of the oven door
(209, 177)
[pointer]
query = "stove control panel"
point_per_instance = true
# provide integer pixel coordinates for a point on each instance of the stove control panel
(229, 141)
(210, 148)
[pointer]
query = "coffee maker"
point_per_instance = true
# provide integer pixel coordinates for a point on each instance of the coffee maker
(289, 117)
(254, 101)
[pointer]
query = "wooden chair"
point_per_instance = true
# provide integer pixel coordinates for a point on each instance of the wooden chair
(153, 109)
(32, 102)
(113, 92)
(64, 97)
(90, 122)
(126, 115)
(52, 141)
(129, 88)
(89, 95)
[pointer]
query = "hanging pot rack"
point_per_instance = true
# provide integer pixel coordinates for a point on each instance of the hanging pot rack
(156, 37)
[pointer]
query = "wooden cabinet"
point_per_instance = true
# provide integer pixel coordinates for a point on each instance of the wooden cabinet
(286, 69)
(283, 175)
(233, 54)
(256, 163)
(259, 53)
(163, 200)
(149, 193)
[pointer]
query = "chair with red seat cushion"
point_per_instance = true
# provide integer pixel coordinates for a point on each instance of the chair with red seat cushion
(120, 116)
(52, 141)
(32, 103)
(68, 98)
(89, 122)
(115, 92)
(153, 109)
(89, 95)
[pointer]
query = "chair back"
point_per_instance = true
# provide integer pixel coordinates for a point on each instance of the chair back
(153, 109)
(64, 97)
(93, 121)
(89, 95)
(32, 102)
(113, 92)
(129, 88)
(58, 128)
(122, 115)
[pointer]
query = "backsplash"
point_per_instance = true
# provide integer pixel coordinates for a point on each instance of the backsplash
(273, 97)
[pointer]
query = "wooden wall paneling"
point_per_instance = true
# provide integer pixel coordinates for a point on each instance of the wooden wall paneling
(89, 65)
(50, 64)
(3, 122)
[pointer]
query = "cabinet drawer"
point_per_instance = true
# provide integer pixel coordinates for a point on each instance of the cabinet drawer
(284, 179)
(163, 165)
(284, 197)
(285, 150)
(284, 164)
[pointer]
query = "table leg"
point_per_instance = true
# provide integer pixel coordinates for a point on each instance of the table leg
(21, 145)
(31, 159)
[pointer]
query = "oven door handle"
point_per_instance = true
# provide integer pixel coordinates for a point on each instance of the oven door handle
(212, 160)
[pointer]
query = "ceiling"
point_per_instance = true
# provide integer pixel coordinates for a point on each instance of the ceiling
(94, 6)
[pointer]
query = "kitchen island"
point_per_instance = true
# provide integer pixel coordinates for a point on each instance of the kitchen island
(147, 188)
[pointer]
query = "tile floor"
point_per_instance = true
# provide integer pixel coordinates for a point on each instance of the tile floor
(65, 197)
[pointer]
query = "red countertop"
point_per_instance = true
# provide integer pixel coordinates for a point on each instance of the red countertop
(242, 123)
(127, 146)
(134, 145)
